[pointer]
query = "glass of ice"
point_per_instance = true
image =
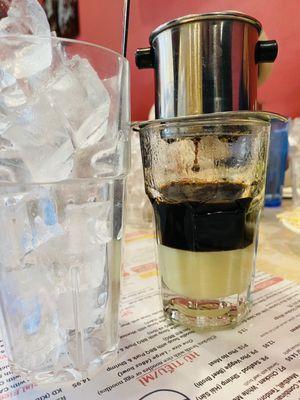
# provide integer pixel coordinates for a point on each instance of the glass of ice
(64, 132)
(205, 178)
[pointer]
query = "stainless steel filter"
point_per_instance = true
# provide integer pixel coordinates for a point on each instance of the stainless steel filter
(206, 63)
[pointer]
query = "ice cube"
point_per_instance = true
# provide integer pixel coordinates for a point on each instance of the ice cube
(30, 307)
(30, 220)
(61, 257)
(17, 240)
(82, 244)
(112, 85)
(24, 57)
(39, 81)
(82, 162)
(6, 79)
(81, 279)
(44, 224)
(12, 94)
(12, 167)
(89, 228)
(94, 220)
(109, 158)
(100, 159)
(82, 98)
(88, 308)
(79, 274)
(5, 122)
(75, 262)
(43, 141)
(25, 17)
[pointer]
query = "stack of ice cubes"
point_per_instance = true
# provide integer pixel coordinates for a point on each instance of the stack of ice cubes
(52, 107)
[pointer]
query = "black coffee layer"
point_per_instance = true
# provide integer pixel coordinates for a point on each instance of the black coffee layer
(204, 217)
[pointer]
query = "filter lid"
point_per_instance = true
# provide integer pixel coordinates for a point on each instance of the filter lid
(215, 16)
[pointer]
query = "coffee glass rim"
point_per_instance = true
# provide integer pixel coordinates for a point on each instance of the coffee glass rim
(226, 118)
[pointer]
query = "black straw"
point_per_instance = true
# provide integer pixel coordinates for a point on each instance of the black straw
(125, 26)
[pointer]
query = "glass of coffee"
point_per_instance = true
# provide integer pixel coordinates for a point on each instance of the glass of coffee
(205, 178)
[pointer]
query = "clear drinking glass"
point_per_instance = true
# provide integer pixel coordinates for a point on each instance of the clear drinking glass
(63, 163)
(205, 178)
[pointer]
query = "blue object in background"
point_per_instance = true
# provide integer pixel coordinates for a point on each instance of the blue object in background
(278, 153)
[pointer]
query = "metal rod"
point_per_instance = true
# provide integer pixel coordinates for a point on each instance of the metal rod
(125, 26)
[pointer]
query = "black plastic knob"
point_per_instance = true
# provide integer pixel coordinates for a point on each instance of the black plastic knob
(144, 58)
(266, 51)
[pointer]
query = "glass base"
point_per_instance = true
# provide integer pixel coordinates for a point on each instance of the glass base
(206, 314)
(273, 200)
(67, 373)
